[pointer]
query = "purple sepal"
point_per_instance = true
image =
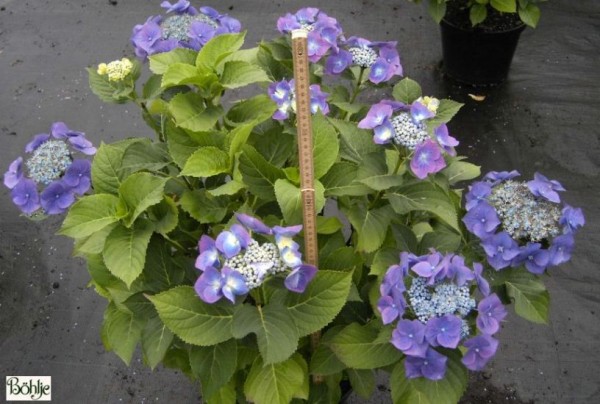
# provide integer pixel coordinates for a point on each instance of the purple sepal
(409, 337)
(234, 284)
(300, 277)
(25, 196)
(481, 220)
(544, 188)
(14, 173)
(561, 248)
(78, 176)
(447, 142)
(571, 219)
(427, 159)
(36, 142)
(209, 285)
(534, 257)
(500, 249)
(491, 313)
(180, 7)
(253, 224)
(56, 198)
(480, 350)
(444, 331)
(420, 112)
(482, 284)
(432, 366)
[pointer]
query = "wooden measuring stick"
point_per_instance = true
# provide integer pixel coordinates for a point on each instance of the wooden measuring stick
(305, 156)
(305, 145)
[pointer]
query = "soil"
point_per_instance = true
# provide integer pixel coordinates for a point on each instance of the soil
(457, 14)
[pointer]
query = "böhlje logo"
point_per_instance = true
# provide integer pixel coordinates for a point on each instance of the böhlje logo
(28, 388)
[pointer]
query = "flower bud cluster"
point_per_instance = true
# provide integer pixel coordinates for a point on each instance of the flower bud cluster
(186, 27)
(430, 298)
(522, 223)
(381, 58)
(235, 263)
(53, 176)
(405, 125)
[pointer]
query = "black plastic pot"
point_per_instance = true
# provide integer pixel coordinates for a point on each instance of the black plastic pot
(476, 57)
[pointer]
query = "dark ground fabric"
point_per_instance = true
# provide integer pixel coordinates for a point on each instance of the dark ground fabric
(543, 119)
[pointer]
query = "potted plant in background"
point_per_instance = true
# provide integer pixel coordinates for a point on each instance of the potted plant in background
(479, 37)
(194, 237)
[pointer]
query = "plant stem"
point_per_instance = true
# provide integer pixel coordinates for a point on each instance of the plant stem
(355, 92)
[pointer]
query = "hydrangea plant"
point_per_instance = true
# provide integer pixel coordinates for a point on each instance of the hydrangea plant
(194, 235)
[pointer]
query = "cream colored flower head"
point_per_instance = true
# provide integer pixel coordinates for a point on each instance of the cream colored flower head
(116, 70)
(430, 103)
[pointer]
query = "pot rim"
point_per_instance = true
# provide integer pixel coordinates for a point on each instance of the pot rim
(477, 30)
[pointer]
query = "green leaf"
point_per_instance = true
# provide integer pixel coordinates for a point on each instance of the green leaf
(325, 147)
(323, 361)
(106, 167)
(258, 174)
(239, 74)
(276, 333)
(188, 111)
(192, 320)
(225, 395)
(530, 14)
(106, 90)
(437, 10)
(152, 87)
(340, 180)
(532, 300)
(445, 112)
(328, 225)
(125, 250)
(182, 145)
(156, 339)
(461, 171)
(442, 241)
(274, 383)
(383, 259)
(204, 207)
(164, 216)
(144, 155)
(94, 243)
(289, 198)
(404, 237)
(322, 300)
(505, 6)
(237, 138)
(343, 259)
(407, 91)
(229, 188)
(120, 332)
(217, 49)
(426, 197)
(363, 347)
(256, 109)
(214, 365)
(354, 142)
(383, 182)
(206, 162)
(89, 215)
(276, 147)
(370, 225)
(362, 382)
(160, 272)
(179, 73)
(449, 390)
(477, 14)
(160, 62)
(140, 191)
